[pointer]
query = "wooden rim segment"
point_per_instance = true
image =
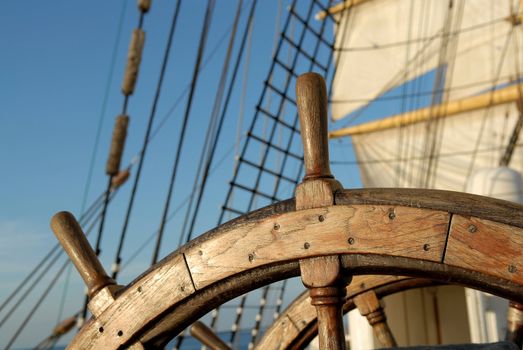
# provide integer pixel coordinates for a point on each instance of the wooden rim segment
(434, 234)
(296, 326)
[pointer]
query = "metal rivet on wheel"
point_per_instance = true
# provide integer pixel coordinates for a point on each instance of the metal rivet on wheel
(392, 215)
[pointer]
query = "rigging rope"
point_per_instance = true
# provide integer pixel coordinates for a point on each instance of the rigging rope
(103, 110)
(259, 316)
(84, 219)
(392, 82)
(178, 99)
(488, 110)
(127, 89)
(172, 214)
(403, 100)
(63, 297)
(412, 158)
(30, 289)
(243, 161)
(431, 127)
(213, 148)
(215, 314)
(424, 93)
(46, 291)
(449, 57)
(509, 151)
(134, 57)
(201, 48)
(272, 132)
(165, 118)
(86, 214)
(226, 207)
(422, 80)
(241, 112)
(213, 131)
(112, 169)
(36, 306)
(89, 212)
(165, 60)
(421, 40)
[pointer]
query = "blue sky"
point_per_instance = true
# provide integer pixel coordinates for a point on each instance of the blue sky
(55, 62)
(55, 65)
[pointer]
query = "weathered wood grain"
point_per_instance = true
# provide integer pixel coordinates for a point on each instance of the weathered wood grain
(284, 329)
(369, 306)
(144, 5)
(364, 283)
(64, 326)
(316, 193)
(266, 245)
(148, 297)
(207, 337)
(486, 246)
(321, 271)
(415, 233)
(205, 300)
(120, 178)
(311, 100)
(134, 57)
(117, 145)
(101, 300)
(515, 324)
(453, 202)
(328, 302)
(301, 314)
(73, 240)
(196, 306)
(135, 346)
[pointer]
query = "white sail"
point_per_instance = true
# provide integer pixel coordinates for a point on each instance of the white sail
(488, 52)
(470, 48)
(440, 157)
(384, 43)
(444, 156)
(372, 59)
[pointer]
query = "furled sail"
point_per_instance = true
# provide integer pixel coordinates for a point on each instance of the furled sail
(401, 157)
(384, 43)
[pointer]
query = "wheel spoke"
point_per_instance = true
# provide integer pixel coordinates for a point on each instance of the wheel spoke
(515, 323)
(369, 306)
(207, 337)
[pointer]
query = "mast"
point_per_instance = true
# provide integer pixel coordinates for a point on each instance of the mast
(336, 9)
(404, 67)
(391, 43)
(489, 99)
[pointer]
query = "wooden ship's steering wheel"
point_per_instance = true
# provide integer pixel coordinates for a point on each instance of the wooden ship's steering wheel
(297, 325)
(326, 235)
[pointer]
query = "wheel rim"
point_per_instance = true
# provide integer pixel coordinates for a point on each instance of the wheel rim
(196, 279)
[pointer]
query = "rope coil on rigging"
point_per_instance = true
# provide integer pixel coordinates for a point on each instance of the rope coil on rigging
(134, 57)
(117, 145)
(144, 5)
